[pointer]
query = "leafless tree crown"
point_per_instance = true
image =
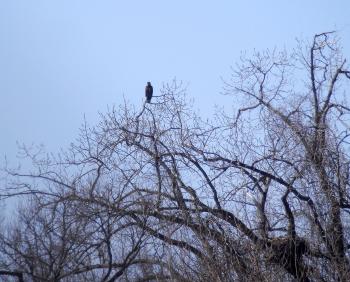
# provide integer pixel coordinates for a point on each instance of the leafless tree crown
(261, 194)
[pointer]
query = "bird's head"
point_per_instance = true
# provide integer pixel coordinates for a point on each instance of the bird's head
(148, 83)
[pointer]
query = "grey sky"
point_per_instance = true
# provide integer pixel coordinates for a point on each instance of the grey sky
(62, 59)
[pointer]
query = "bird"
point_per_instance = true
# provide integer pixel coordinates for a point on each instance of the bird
(148, 92)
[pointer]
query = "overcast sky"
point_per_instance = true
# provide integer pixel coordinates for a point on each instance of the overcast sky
(61, 60)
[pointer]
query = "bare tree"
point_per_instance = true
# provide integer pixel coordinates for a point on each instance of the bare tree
(160, 194)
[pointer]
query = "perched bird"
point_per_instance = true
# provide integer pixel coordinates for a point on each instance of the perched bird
(148, 92)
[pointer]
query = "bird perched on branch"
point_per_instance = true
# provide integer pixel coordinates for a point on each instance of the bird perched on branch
(148, 92)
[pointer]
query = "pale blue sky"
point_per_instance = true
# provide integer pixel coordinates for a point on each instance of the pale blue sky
(61, 59)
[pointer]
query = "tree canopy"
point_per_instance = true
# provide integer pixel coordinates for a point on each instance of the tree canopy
(260, 193)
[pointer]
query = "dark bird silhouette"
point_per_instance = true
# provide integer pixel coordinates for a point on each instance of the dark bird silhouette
(148, 92)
